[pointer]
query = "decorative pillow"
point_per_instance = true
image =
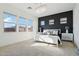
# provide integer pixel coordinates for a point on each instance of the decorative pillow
(51, 32)
(45, 32)
(48, 32)
(55, 32)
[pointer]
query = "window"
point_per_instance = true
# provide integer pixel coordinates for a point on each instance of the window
(9, 22)
(22, 24)
(30, 25)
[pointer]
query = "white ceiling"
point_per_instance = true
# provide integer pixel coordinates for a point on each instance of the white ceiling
(52, 8)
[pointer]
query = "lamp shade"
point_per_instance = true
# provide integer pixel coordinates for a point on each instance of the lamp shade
(41, 9)
(67, 27)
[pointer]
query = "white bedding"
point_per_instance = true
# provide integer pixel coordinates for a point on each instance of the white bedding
(48, 38)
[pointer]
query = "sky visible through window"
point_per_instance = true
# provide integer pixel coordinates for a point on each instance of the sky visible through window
(10, 21)
(22, 21)
(30, 22)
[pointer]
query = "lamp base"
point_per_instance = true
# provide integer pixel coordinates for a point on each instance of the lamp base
(66, 31)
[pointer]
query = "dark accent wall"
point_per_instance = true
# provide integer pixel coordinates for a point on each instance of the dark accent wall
(57, 25)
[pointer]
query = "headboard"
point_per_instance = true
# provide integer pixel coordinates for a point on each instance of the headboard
(52, 31)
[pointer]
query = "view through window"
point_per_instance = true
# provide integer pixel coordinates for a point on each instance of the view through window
(30, 25)
(9, 22)
(22, 24)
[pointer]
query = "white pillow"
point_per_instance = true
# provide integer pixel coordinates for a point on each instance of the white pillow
(55, 32)
(48, 32)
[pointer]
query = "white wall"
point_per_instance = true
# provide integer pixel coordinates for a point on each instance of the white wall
(13, 37)
(76, 24)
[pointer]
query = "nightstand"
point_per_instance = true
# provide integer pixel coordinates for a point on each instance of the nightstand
(67, 36)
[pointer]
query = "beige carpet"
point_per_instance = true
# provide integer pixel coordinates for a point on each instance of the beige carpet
(32, 48)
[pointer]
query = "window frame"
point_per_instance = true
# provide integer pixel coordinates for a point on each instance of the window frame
(16, 23)
(9, 14)
(19, 24)
(31, 28)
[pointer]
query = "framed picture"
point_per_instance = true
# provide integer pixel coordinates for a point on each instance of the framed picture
(63, 20)
(42, 22)
(51, 22)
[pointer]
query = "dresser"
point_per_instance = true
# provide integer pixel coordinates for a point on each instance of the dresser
(67, 36)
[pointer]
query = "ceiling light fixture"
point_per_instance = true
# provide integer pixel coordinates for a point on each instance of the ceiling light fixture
(29, 7)
(41, 9)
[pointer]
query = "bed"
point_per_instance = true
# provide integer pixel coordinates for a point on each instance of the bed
(49, 36)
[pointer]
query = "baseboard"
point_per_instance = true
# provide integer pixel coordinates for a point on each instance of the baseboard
(67, 40)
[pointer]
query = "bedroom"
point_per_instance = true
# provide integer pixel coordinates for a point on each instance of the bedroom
(21, 23)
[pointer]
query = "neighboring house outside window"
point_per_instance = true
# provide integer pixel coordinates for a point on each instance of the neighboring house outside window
(10, 23)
